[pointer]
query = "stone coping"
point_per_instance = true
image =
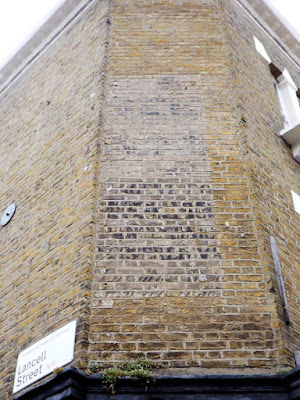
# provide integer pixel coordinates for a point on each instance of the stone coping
(261, 10)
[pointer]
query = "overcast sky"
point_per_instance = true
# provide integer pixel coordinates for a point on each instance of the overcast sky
(19, 19)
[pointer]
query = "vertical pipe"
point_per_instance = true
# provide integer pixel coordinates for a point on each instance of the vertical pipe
(280, 281)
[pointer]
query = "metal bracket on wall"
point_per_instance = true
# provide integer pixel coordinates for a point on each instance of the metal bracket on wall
(280, 281)
(8, 214)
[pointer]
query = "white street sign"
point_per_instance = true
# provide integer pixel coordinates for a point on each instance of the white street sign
(42, 358)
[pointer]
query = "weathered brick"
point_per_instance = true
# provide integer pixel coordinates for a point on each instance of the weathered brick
(144, 160)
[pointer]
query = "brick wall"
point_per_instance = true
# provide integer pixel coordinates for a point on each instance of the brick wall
(271, 169)
(142, 152)
(48, 163)
(178, 275)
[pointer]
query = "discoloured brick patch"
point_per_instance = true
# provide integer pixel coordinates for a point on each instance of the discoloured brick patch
(176, 243)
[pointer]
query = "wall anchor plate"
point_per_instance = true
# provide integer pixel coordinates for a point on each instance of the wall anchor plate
(8, 214)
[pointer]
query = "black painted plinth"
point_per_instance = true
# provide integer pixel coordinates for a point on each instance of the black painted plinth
(72, 384)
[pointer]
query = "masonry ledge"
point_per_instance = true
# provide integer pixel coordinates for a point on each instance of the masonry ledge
(291, 135)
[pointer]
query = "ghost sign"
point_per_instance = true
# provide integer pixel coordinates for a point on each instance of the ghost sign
(42, 358)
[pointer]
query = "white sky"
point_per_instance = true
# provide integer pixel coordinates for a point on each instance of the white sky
(290, 9)
(20, 19)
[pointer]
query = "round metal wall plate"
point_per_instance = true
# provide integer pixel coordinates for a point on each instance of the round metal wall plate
(8, 214)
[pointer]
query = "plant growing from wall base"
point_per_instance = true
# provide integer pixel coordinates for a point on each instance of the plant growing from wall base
(139, 368)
